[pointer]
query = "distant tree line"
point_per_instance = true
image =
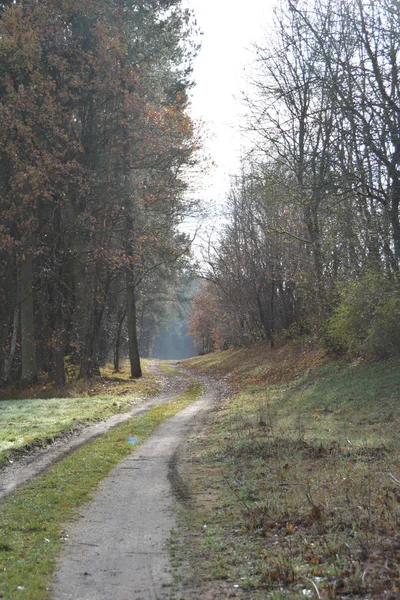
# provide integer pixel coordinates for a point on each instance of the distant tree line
(312, 243)
(94, 136)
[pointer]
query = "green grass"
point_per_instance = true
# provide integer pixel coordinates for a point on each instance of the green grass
(356, 402)
(296, 478)
(32, 518)
(26, 423)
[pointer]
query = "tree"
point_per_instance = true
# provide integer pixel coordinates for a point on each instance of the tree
(360, 49)
(317, 202)
(293, 112)
(257, 267)
(94, 135)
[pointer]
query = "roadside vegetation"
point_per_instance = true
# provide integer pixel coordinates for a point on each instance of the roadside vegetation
(40, 417)
(295, 478)
(32, 518)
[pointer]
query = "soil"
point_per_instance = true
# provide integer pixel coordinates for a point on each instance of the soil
(192, 499)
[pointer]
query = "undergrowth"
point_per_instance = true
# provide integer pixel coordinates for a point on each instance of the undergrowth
(296, 478)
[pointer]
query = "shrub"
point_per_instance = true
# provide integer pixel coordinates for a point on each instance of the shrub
(367, 318)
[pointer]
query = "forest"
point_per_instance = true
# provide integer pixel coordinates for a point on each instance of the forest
(96, 149)
(311, 244)
(266, 467)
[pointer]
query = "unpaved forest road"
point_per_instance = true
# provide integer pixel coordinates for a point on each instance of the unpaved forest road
(40, 459)
(118, 549)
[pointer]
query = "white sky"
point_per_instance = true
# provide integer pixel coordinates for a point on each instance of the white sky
(229, 28)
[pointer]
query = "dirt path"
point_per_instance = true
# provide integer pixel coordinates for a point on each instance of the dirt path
(118, 549)
(39, 460)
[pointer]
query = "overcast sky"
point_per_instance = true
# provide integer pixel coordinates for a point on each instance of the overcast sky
(229, 29)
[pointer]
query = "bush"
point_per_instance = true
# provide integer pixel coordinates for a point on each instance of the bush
(367, 318)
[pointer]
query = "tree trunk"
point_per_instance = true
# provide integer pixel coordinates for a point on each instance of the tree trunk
(59, 371)
(28, 350)
(59, 350)
(10, 357)
(272, 310)
(89, 363)
(394, 217)
(312, 223)
(118, 341)
(134, 358)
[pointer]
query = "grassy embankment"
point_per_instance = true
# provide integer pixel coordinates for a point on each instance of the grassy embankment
(296, 478)
(33, 518)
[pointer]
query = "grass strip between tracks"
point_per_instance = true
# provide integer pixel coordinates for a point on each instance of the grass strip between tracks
(32, 518)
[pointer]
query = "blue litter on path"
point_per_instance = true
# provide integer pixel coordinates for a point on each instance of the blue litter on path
(133, 440)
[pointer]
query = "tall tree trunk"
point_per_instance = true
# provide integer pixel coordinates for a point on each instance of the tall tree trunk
(28, 350)
(10, 356)
(59, 350)
(134, 358)
(133, 344)
(118, 341)
(272, 310)
(395, 221)
(89, 366)
(311, 219)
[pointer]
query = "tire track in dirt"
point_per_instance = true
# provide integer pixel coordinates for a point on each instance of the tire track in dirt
(119, 548)
(35, 462)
